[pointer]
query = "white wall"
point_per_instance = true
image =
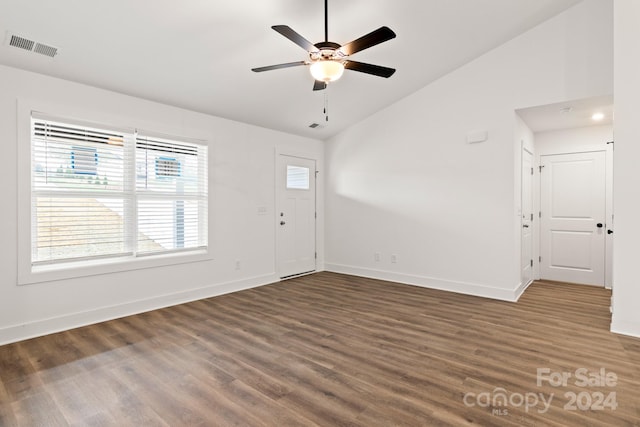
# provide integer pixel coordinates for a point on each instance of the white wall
(626, 197)
(575, 140)
(241, 179)
(404, 182)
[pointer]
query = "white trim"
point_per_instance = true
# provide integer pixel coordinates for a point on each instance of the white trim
(520, 289)
(533, 226)
(96, 267)
(69, 321)
(622, 327)
(308, 155)
(474, 289)
(609, 223)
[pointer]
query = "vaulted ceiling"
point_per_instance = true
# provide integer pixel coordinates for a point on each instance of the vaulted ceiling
(198, 54)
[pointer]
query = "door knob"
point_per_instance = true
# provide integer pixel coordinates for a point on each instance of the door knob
(609, 231)
(525, 225)
(282, 223)
(599, 225)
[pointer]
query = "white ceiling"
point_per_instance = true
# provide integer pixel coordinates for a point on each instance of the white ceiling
(197, 54)
(569, 114)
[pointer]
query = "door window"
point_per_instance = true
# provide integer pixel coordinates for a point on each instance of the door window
(297, 178)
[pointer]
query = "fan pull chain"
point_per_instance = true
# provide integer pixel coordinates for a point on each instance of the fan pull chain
(326, 105)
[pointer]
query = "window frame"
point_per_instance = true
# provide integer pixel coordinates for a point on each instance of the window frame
(29, 274)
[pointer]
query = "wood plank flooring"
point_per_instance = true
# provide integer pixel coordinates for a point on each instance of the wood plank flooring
(332, 350)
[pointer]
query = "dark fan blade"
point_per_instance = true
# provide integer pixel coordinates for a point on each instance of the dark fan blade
(277, 67)
(376, 70)
(295, 37)
(318, 85)
(378, 36)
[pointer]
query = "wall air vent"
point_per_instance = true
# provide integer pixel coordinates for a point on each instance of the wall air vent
(31, 45)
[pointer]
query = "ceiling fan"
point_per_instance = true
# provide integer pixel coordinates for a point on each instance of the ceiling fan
(328, 60)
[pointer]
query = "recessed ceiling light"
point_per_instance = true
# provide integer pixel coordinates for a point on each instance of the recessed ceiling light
(597, 117)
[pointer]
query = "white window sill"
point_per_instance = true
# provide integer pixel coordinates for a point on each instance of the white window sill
(72, 270)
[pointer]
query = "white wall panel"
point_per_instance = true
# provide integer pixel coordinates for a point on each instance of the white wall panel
(405, 182)
(626, 203)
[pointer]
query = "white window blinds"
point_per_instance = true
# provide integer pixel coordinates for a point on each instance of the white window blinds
(171, 187)
(101, 193)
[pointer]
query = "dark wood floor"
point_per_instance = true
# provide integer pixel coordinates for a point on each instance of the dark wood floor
(330, 350)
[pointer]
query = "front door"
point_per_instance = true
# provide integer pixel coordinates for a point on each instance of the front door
(295, 215)
(572, 201)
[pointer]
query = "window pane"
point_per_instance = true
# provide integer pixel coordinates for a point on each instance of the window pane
(297, 177)
(69, 228)
(169, 225)
(168, 166)
(68, 158)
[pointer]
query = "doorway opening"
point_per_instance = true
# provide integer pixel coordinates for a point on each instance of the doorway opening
(572, 187)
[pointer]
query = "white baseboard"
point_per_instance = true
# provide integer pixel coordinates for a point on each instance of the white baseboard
(69, 321)
(484, 291)
(622, 327)
(520, 289)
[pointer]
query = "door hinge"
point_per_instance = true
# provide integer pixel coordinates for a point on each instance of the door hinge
(539, 214)
(531, 217)
(539, 259)
(531, 263)
(315, 215)
(540, 168)
(531, 171)
(315, 255)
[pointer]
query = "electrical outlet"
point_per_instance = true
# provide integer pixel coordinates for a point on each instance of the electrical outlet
(237, 264)
(376, 257)
(394, 258)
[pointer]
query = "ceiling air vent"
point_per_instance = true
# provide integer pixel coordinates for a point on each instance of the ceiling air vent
(21, 42)
(314, 125)
(43, 49)
(31, 45)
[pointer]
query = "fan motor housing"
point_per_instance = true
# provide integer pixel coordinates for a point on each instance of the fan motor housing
(326, 51)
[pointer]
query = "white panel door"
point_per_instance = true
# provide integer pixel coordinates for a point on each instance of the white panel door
(572, 236)
(295, 216)
(527, 217)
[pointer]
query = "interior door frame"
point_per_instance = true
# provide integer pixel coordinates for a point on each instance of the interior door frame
(302, 155)
(608, 238)
(532, 223)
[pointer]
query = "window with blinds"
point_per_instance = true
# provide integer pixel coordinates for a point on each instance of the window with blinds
(171, 195)
(102, 193)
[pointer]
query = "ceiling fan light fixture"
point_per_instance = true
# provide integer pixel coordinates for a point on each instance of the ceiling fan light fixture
(327, 70)
(328, 59)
